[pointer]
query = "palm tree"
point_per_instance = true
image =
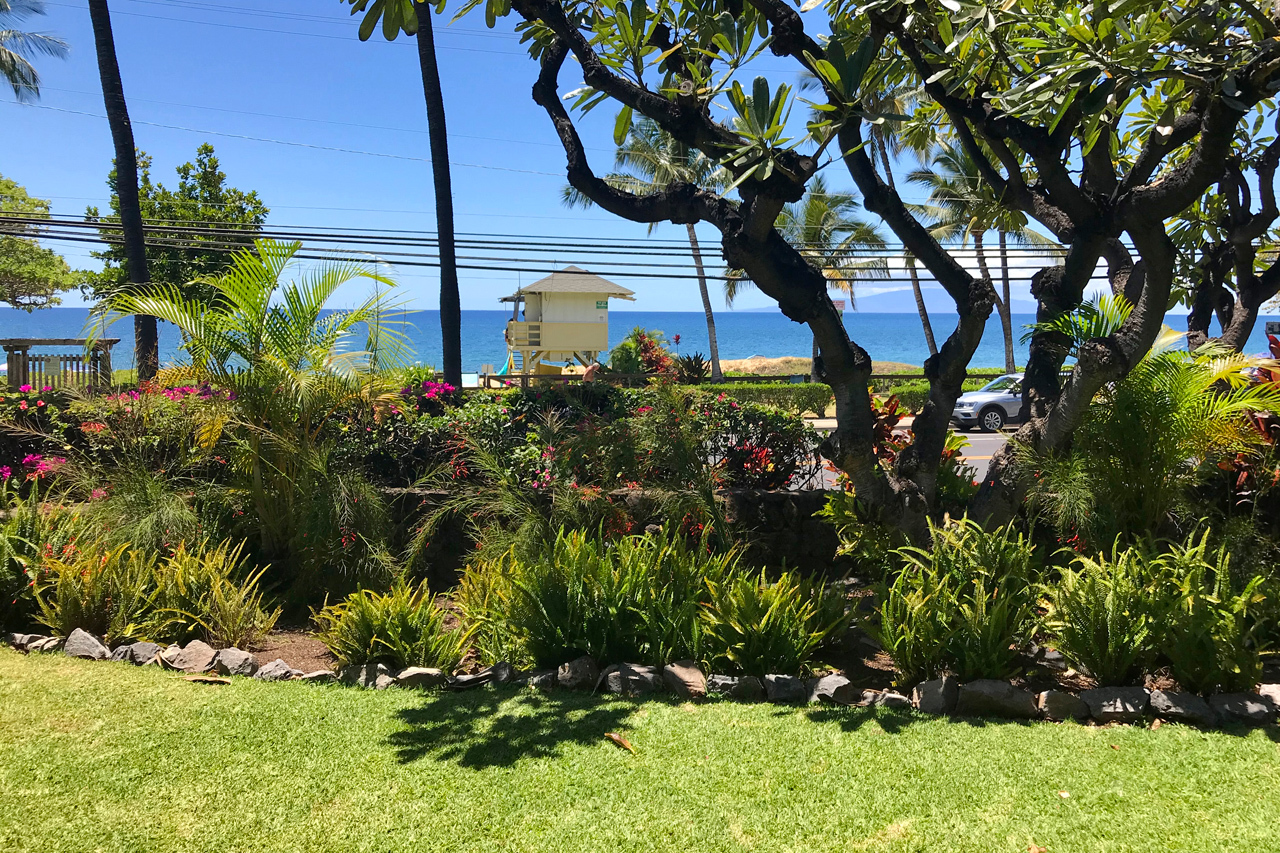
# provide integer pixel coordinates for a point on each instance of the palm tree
(285, 359)
(395, 18)
(826, 229)
(649, 160)
(964, 203)
(885, 139)
(146, 341)
(17, 48)
(893, 137)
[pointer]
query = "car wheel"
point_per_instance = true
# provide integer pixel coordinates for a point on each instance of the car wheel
(991, 420)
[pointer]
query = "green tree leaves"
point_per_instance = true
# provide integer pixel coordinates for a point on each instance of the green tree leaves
(30, 275)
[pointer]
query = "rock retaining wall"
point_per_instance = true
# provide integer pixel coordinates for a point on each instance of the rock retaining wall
(686, 681)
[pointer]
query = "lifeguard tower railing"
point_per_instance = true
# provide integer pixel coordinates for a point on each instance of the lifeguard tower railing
(87, 366)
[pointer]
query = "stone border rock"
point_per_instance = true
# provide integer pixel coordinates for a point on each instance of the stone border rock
(685, 680)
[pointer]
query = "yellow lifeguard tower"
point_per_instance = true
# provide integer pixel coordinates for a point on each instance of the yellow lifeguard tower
(562, 318)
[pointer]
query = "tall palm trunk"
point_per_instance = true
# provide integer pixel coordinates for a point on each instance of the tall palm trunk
(911, 267)
(980, 250)
(1006, 318)
(924, 313)
(450, 303)
(146, 341)
(716, 375)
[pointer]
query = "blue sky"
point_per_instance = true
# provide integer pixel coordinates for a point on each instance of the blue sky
(294, 71)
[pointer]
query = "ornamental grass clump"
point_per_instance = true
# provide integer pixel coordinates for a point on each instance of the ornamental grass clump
(401, 627)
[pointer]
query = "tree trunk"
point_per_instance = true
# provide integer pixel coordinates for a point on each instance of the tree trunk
(911, 267)
(450, 302)
(146, 341)
(1006, 311)
(920, 309)
(716, 374)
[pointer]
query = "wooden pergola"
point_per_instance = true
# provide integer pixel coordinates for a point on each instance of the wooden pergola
(88, 367)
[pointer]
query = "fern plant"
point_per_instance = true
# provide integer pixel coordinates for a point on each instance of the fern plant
(758, 627)
(402, 627)
(1105, 614)
(1214, 639)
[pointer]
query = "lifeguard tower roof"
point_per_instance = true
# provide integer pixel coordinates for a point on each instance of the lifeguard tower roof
(573, 280)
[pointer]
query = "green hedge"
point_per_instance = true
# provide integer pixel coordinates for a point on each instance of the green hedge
(792, 397)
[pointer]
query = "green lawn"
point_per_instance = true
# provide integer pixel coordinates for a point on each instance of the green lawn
(106, 757)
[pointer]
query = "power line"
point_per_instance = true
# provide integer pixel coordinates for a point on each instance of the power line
(360, 125)
(296, 144)
(539, 243)
(230, 240)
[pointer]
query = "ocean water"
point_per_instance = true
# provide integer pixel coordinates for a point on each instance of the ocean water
(887, 337)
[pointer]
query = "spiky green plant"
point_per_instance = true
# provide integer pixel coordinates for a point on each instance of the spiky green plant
(1143, 439)
(1105, 614)
(639, 599)
(964, 604)
(757, 626)
(914, 624)
(399, 628)
(1214, 637)
(209, 591)
(105, 591)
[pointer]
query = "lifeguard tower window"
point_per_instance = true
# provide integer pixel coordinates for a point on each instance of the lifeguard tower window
(565, 319)
(1273, 327)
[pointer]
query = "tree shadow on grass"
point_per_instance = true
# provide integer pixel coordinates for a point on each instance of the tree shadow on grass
(499, 726)
(851, 718)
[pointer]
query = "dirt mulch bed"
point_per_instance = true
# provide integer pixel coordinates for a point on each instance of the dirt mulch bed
(297, 648)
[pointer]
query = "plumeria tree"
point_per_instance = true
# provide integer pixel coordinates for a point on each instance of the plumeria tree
(1098, 122)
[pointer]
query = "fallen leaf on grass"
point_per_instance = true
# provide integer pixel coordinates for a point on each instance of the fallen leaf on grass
(206, 679)
(1116, 748)
(1064, 794)
(1156, 723)
(1036, 848)
(620, 741)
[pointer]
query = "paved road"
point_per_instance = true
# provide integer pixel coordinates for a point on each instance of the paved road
(982, 445)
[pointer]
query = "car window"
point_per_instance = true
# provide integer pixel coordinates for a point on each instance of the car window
(1004, 383)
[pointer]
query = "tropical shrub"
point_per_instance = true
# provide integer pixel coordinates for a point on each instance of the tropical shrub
(637, 600)
(1143, 441)
(1214, 636)
(963, 605)
(1105, 614)
(795, 397)
(402, 627)
(208, 591)
(757, 626)
(289, 366)
(103, 590)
